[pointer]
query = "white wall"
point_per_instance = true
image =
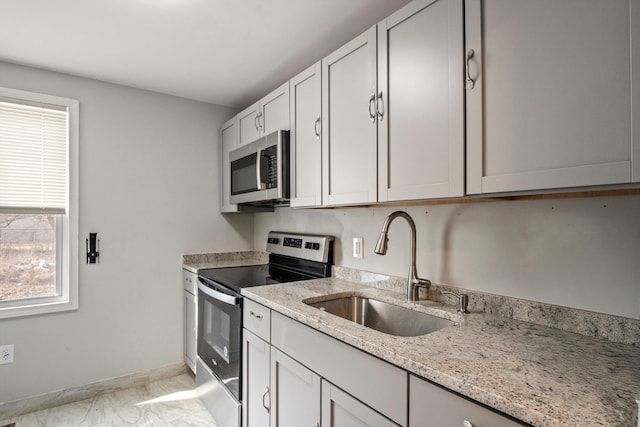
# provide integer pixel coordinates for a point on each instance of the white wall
(582, 253)
(149, 188)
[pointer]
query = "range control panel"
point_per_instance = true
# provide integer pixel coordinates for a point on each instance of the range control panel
(307, 246)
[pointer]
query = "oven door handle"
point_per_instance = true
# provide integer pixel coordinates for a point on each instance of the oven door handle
(227, 299)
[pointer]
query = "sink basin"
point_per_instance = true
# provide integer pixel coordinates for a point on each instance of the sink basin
(381, 316)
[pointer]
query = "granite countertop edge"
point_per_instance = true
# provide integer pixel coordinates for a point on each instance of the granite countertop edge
(195, 262)
(539, 375)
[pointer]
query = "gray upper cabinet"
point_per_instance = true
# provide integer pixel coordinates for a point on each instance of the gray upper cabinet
(393, 109)
(349, 151)
(268, 115)
(306, 144)
(420, 102)
(228, 142)
(447, 98)
(549, 94)
(249, 124)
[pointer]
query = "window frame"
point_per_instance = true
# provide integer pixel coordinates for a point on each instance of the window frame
(67, 251)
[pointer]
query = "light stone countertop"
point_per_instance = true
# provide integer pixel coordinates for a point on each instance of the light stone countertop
(195, 262)
(540, 375)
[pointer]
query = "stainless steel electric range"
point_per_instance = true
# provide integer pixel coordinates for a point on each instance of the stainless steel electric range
(292, 257)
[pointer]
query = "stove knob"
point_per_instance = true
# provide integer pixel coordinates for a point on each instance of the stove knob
(308, 245)
(316, 246)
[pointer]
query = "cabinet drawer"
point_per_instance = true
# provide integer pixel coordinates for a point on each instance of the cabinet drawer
(431, 405)
(257, 319)
(346, 367)
(190, 282)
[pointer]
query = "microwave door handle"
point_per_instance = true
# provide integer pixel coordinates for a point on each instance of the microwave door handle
(227, 299)
(259, 184)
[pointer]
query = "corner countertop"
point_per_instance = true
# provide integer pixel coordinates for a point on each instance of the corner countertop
(539, 375)
(195, 262)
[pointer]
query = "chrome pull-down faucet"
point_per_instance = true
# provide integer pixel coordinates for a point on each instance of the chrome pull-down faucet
(413, 281)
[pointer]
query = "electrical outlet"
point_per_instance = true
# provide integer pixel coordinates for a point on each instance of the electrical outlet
(6, 354)
(357, 247)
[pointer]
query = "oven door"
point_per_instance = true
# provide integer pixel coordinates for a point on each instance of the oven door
(220, 332)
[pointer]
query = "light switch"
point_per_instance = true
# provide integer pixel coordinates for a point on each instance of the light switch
(357, 247)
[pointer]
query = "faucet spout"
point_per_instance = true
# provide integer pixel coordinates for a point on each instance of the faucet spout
(413, 281)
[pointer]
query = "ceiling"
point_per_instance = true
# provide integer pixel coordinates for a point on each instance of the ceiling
(226, 52)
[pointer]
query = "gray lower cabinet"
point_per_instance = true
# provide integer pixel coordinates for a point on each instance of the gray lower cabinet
(372, 382)
(190, 311)
(302, 377)
(295, 393)
(341, 410)
(277, 390)
(255, 380)
(433, 406)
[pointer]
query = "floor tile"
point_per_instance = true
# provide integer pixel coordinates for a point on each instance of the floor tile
(170, 402)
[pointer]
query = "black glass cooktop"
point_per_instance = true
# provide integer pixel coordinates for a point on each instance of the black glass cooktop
(239, 277)
(280, 269)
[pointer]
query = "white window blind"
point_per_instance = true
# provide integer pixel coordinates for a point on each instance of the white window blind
(33, 157)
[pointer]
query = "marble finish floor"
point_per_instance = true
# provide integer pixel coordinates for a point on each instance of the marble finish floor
(170, 402)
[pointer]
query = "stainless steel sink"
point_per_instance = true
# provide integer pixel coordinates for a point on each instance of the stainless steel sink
(381, 316)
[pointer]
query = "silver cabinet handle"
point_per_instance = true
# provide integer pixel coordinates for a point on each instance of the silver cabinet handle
(316, 127)
(257, 316)
(372, 103)
(467, 424)
(260, 121)
(469, 81)
(379, 102)
(256, 122)
(264, 405)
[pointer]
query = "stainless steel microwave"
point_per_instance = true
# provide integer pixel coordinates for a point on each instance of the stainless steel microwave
(260, 171)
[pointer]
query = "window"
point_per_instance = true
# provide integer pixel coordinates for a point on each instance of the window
(38, 203)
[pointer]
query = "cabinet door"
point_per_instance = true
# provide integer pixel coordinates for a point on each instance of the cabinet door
(249, 124)
(349, 151)
(274, 111)
(295, 393)
(255, 381)
(551, 100)
(421, 102)
(341, 410)
(305, 142)
(228, 142)
(432, 406)
(190, 332)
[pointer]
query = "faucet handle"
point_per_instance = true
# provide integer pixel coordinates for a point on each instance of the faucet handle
(422, 283)
(463, 301)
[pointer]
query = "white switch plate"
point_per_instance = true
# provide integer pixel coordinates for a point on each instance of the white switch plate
(6, 354)
(357, 247)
